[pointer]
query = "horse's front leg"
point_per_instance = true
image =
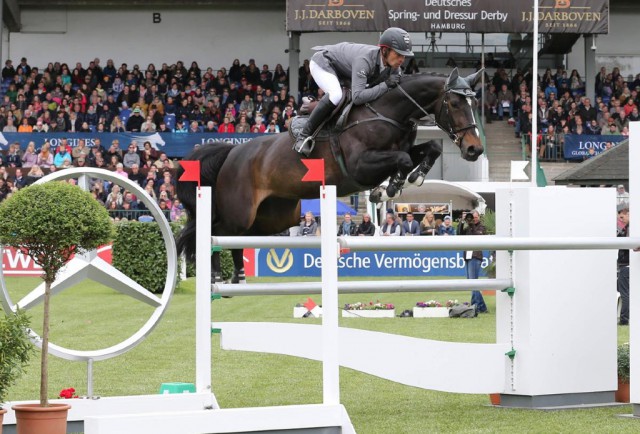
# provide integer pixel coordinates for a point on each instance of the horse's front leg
(395, 164)
(424, 157)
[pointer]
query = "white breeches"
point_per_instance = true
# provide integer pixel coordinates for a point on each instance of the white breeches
(327, 82)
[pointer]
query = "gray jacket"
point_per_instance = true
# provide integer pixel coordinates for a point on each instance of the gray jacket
(362, 64)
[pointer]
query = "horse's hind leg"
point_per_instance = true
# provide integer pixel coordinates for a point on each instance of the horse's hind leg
(238, 266)
(424, 156)
(216, 269)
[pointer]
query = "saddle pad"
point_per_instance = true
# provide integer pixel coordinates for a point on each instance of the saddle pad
(297, 125)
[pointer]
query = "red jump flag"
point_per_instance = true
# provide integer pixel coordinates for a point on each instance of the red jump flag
(191, 171)
(316, 170)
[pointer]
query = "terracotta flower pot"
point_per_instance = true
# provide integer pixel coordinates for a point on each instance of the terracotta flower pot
(2, 412)
(31, 418)
(623, 392)
(495, 398)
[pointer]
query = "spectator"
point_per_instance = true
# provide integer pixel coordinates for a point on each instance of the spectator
(131, 157)
(505, 102)
(24, 126)
(163, 162)
(391, 227)
(10, 127)
(114, 150)
(623, 267)
(60, 158)
(20, 180)
(446, 228)
(623, 197)
(34, 174)
(177, 210)
(347, 227)
(428, 224)
(473, 260)
(13, 158)
(411, 227)
(30, 157)
(308, 226)
(45, 157)
(80, 151)
(366, 228)
(134, 124)
(135, 175)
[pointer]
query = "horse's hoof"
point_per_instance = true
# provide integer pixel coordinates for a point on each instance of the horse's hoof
(376, 195)
(416, 178)
(391, 190)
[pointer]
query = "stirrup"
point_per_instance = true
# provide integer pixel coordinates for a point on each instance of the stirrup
(304, 147)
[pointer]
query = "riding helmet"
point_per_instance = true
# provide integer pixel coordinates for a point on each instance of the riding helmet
(398, 40)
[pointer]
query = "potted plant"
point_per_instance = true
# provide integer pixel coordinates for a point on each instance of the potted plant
(51, 222)
(622, 394)
(369, 310)
(433, 309)
(15, 351)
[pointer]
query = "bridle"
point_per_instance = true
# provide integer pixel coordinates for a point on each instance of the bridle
(454, 134)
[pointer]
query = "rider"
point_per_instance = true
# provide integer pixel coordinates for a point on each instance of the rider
(373, 70)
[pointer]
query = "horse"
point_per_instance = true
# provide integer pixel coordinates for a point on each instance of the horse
(257, 185)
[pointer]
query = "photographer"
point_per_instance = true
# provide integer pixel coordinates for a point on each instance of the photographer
(471, 225)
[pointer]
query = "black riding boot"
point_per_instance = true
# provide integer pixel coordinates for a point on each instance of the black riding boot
(304, 144)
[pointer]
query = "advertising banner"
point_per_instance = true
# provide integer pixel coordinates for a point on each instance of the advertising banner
(449, 16)
(176, 145)
(579, 147)
(16, 263)
(308, 262)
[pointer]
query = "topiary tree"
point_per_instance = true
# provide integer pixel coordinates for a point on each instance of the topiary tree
(51, 222)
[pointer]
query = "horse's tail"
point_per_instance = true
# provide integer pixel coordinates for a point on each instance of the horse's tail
(211, 158)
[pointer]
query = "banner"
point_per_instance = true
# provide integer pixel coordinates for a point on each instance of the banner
(449, 16)
(580, 147)
(176, 145)
(16, 263)
(308, 262)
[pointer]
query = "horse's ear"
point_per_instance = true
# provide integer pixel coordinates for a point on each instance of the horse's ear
(453, 77)
(474, 78)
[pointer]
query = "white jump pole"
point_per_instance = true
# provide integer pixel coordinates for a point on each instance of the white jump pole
(634, 269)
(329, 253)
(203, 290)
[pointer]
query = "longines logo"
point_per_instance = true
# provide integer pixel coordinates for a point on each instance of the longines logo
(333, 12)
(563, 15)
(279, 264)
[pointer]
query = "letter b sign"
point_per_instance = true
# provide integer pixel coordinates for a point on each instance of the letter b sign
(157, 18)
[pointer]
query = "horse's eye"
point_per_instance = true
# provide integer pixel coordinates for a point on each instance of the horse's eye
(455, 104)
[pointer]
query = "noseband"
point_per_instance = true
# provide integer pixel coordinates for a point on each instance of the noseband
(453, 134)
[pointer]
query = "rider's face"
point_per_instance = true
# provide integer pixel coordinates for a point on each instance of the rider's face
(394, 60)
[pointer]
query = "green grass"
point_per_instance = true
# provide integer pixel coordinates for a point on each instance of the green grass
(90, 316)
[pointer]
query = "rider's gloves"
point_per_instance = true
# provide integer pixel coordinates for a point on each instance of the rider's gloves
(392, 81)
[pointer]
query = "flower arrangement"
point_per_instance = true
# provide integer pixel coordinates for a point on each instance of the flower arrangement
(68, 393)
(435, 303)
(430, 303)
(369, 306)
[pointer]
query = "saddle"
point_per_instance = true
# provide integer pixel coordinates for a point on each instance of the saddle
(332, 125)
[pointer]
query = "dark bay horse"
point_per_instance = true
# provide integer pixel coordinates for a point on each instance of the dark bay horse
(257, 185)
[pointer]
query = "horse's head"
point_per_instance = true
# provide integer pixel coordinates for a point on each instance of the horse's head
(457, 114)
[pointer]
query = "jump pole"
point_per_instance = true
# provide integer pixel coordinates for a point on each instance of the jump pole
(329, 252)
(203, 290)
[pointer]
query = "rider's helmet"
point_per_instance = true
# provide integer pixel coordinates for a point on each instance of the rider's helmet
(396, 39)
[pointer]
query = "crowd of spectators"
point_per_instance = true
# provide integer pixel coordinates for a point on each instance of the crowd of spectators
(151, 170)
(171, 98)
(108, 98)
(563, 107)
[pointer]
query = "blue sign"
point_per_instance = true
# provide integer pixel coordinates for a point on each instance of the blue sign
(580, 147)
(176, 145)
(308, 262)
